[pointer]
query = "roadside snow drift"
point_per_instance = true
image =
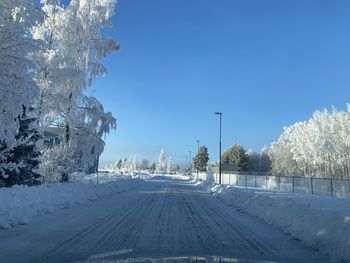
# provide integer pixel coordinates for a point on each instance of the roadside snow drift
(20, 203)
(322, 223)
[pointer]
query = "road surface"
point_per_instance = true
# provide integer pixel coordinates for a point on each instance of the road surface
(164, 217)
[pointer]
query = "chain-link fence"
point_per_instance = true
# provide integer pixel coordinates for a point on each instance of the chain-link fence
(317, 186)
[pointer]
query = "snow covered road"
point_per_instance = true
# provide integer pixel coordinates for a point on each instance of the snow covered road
(164, 217)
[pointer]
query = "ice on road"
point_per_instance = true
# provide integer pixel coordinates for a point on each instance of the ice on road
(163, 217)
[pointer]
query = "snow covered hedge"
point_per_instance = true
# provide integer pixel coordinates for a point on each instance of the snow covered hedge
(321, 226)
(20, 203)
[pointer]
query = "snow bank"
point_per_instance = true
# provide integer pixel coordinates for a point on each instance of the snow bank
(199, 182)
(20, 203)
(112, 175)
(322, 227)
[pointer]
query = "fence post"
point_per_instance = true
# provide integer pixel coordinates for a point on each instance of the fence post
(246, 181)
(331, 187)
(266, 178)
(279, 183)
(312, 186)
(255, 181)
(293, 183)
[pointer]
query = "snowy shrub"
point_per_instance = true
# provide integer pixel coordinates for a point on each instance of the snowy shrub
(56, 163)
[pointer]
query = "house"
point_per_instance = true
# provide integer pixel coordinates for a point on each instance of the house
(52, 136)
(225, 168)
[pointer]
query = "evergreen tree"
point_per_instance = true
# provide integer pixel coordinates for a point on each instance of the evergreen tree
(200, 161)
(236, 155)
(144, 164)
(119, 164)
(25, 154)
(169, 168)
(153, 167)
(17, 87)
(253, 162)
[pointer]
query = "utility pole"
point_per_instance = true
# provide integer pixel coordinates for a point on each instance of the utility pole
(220, 114)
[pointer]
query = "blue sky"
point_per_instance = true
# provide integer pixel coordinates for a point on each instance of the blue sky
(264, 64)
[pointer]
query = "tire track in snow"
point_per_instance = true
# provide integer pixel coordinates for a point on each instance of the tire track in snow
(229, 226)
(101, 228)
(175, 218)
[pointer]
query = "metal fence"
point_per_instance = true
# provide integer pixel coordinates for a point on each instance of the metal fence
(317, 186)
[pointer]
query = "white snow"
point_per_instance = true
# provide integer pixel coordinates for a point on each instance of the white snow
(165, 216)
(19, 204)
(321, 222)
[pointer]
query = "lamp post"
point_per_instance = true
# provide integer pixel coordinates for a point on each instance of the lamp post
(197, 155)
(190, 162)
(220, 114)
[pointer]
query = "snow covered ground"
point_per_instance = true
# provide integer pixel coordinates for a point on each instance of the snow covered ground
(321, 222)
(164, 216)
(19, 204)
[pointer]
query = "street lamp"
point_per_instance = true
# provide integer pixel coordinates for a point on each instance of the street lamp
(190, 162)
(197, 155)
(220, 114)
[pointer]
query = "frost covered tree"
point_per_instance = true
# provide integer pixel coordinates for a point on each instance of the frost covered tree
(319, 147)
(201, 159)
(129, 165)
(70, 59)
(90, 125)
(56, 163)
(169, 168)
(73, 47)
(48, 57)
(134, 165)
(17, 88)
(161, 164)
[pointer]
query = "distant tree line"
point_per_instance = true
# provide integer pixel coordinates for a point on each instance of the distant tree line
(132, 164)
(247, 161)
(318, 147)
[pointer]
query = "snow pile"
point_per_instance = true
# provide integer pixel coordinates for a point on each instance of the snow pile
(315, 220)
(199, 182)
(142, 175)
(100, 177)
(20, 203)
